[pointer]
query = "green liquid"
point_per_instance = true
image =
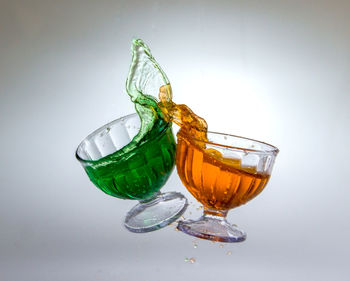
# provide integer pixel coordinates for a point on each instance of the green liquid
(137, 174)
(141, 167)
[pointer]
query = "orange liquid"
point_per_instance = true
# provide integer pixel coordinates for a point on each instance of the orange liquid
(216, 182)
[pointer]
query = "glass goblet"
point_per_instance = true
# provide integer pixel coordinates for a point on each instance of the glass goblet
(135, 173)
(222, 173)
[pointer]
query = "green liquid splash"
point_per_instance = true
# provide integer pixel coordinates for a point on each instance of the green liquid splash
(142, 167)
(143, 83)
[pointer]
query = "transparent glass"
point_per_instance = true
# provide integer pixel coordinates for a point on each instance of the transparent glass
(222, 173)
(137, 172)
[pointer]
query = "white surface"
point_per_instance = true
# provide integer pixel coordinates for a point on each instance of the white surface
(277, 71)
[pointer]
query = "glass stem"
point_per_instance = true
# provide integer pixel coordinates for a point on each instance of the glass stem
(151, 200)
(215, 214)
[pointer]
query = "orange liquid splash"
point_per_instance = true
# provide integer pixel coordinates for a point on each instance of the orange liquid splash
(181, 115)
(217, 182)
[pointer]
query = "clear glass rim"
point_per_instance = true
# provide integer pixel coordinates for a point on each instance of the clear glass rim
(271, 148)
(102, 128)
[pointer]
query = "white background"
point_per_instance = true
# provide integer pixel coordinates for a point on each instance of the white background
(277, 71)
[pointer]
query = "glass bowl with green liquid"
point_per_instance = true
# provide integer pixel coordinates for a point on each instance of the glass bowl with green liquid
(137, 171)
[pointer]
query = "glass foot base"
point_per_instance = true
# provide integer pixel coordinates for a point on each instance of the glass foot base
(156, 213)
(212, 228)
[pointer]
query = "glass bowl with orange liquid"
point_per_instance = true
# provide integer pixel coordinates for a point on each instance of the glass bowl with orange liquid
(222, 173)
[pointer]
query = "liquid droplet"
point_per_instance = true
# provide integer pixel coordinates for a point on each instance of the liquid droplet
(195, 246)
(192, 260)
(221, 245)
(229, 253)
